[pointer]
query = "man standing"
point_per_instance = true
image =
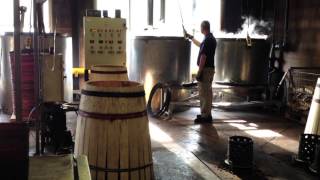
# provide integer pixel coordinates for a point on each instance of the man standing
(206, 71)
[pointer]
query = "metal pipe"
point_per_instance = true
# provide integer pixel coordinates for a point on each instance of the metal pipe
(163, 10)
(23, 10)
(37, 72)
(274, 22)
(36, 53)
(286, 23)
(17, 70)
(130, 15)
(75, 33)
(150, 12)
(262, 10)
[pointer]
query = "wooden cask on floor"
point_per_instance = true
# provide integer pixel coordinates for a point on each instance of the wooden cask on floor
(113, 131)
(108, 73)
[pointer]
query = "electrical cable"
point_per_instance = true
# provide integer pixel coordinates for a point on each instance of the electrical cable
(32, 111)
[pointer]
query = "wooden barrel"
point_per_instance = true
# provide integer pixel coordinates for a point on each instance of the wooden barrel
(113, 130)
(108, 73)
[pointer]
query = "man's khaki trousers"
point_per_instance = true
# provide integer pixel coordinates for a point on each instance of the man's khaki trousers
(205, 91)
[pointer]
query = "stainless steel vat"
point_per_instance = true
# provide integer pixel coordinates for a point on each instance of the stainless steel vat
(159, 59)
(237, 63)
(63, 46)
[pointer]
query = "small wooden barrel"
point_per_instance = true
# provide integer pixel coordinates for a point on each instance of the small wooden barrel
(108, 73)
(113, 130)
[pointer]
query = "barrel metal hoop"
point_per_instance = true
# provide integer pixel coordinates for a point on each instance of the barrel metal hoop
(112, 116)
(109, 72)
(120, 170)
(317, 101)
(113, 94)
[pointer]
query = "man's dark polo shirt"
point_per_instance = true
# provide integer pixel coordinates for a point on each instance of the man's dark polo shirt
(208, 48)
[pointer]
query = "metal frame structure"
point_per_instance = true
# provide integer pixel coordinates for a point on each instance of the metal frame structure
(299, 84)
(17, 54)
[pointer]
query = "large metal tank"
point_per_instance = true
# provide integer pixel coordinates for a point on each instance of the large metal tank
(239, 64)
(63, 45)
(159, 59)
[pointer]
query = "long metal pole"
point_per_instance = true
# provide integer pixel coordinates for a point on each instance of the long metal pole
(130, 15)
(36, 72)
(36, 52)
(150, 12)
(17, 69)
(286, 23)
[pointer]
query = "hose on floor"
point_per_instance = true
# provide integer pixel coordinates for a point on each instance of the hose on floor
(164, 106)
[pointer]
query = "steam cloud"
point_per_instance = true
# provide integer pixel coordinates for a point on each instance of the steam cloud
(257, 29)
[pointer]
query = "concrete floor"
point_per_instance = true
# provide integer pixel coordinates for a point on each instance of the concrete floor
(183, 150)
(275, 142)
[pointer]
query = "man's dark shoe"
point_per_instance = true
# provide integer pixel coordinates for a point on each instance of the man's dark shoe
(209, 119)
(200, 119)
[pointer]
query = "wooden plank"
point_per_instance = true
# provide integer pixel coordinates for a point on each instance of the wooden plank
(147, 148)
(150, 154)
(141, 143)
(86, 136)
(113, 149)
(82, 136)
(93, 145)
(102, 148)
(76, 141)
(83, 168)
(133, 148)
(41, 167)
(106, 134)
(86, 139)
(124, 149)
(79, 137)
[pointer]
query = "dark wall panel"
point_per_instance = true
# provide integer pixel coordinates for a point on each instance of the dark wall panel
(303, 33)
(233, 12)
(61, 15)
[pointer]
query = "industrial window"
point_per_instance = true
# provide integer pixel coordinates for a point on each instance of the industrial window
(6, 16)
(112, 5)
